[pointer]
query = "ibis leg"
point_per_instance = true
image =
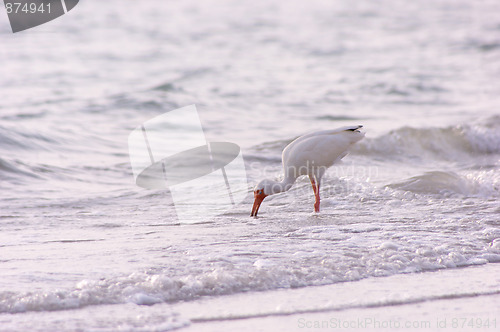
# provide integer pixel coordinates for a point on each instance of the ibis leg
(315, 186)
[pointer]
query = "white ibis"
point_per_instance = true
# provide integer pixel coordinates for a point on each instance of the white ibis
(310, 155)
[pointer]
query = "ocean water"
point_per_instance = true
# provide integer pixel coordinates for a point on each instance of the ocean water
(83, 248)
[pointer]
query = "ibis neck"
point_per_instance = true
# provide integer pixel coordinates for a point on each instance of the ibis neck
(284, 185)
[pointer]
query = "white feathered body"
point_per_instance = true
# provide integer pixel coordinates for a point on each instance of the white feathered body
(314, 153)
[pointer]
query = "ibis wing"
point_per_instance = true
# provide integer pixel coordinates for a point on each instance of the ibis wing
(323, 148)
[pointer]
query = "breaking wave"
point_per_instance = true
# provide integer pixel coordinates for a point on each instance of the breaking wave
(485, 184)
(449, 143)
(305, 268)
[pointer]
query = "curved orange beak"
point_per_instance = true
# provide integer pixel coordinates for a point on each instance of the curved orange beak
(259, 197)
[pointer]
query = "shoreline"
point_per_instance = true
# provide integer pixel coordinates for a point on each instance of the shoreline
(437, 300)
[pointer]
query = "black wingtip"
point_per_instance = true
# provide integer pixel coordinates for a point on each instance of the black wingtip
(355, 129)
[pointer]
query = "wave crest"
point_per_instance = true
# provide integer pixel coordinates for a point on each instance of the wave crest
(448, 184)
(450, 143)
